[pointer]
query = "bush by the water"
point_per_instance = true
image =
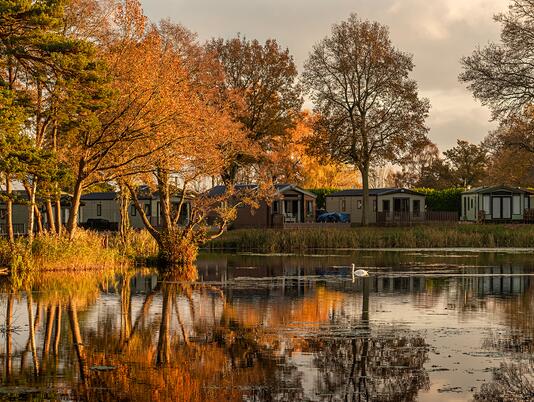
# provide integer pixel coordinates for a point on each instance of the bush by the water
(289, 241)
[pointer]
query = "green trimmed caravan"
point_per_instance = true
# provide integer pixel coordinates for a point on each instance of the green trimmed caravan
(495, 204)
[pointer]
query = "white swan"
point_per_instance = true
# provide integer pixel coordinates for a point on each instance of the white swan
(360, 273)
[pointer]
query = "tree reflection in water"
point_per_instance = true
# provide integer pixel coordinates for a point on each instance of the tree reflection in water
(186, 341)
(512, 382)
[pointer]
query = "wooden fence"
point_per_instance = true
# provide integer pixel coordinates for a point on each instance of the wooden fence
(411, 218)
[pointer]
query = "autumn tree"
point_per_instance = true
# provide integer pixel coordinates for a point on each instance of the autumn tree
(468, 163)
(261, 81)
(115, 106)
(510, 150)
(194, 130)
(368, 107)
(297, 165)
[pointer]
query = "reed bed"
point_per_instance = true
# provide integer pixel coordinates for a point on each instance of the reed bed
(446, 236)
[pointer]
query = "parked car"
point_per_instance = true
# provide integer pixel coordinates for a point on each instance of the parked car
(333, 217)
(100, 225)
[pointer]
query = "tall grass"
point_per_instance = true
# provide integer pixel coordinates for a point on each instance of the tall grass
(88, 250)
(49, 252)
(283, 241)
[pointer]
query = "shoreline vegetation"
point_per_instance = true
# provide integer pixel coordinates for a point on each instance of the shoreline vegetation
(91, 250)
(423, 236)
(88, 250)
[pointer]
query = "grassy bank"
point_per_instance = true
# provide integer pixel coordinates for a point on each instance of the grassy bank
(288, 241)
(88, 250)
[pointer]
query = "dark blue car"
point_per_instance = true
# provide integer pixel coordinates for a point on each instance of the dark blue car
(333, 217)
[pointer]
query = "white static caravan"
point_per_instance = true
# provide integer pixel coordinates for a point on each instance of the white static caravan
(387, 205)
(495, 204)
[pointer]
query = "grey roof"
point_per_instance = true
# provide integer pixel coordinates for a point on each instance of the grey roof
(358, 192)
(492, 189)
(100, 196)
(280, 188)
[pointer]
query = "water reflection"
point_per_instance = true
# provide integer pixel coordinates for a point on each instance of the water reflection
(262, 329)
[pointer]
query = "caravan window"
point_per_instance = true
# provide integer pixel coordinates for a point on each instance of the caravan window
(343, 205)
(98, 209)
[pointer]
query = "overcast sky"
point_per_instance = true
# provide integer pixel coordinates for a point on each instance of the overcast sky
(437, 32)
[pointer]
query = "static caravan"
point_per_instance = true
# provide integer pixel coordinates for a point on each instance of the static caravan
(495, 204)
(101, 210)
(387, 205)
(20, 213)
(290, 205)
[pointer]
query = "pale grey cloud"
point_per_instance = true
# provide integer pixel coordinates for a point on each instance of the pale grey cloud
(437, 32)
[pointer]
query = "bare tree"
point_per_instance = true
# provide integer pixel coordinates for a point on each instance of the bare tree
(369, 109)
(501, 75)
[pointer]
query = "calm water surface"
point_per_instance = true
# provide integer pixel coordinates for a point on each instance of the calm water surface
(427, 326)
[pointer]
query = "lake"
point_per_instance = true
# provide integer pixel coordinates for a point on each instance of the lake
(427, 325)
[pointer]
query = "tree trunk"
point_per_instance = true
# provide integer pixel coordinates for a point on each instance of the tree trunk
(59, 221)
(31, 208)
(9, 211)
(38, 220)
(50, 216)
(124, 204)
(72, 224)
(164, 201)
(364, 170)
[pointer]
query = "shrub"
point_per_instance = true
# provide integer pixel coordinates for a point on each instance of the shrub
(449, 199)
